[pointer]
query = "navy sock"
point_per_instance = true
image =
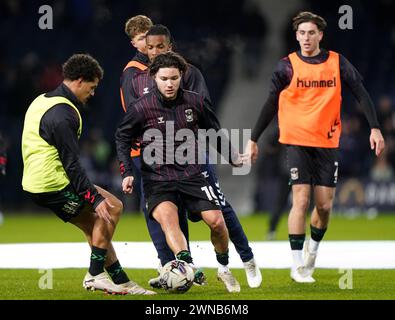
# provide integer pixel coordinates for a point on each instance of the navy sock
(117, 274)
(223, 258)
(98, 257)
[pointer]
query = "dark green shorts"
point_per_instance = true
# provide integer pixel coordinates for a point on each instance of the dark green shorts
(65, 203)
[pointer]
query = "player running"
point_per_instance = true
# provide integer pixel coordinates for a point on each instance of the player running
(55, 179)
(170, 177)
(138, 83)
(306, 93)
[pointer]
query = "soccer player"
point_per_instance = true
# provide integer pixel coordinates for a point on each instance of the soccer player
(306, 93)
(136, 28)
(54, 178)
(159, 40)
(166, 182)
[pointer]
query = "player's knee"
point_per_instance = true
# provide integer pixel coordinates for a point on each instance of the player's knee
(119, 206)
(324, 208)
(301, 205)
(218, 225)
(117, 209)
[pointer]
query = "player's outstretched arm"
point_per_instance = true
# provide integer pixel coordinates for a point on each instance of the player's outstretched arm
(128, 130)
(376, 141)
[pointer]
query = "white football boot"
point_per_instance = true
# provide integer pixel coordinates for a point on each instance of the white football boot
(300, 275)
(154, 282)
(133, 288)
(101, 282)
(229, 280)
(254, 276)
(309, 259)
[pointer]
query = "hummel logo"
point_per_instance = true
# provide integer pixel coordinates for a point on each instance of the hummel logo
(145, 90)
(160, 120)
(303, 83)
(333, 129)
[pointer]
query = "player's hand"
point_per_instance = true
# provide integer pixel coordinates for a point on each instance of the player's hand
(102, 210)
(127, 184)
(251, 152)
(377, 141)
(3, 163)
(237, 160)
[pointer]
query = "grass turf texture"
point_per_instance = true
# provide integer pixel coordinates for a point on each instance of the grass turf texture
(67, 283)
(48, 228)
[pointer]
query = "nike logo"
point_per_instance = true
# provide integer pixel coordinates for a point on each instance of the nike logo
(89, 281)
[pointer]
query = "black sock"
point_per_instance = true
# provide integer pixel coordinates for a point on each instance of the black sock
(117, 274)
(98, 257)
(184, 255)
(296, 241)
(223, 258)
(317, 234)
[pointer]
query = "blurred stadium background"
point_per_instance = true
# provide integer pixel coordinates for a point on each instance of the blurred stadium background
(236, 44)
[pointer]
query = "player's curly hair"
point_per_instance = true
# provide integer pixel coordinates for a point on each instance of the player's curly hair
(82, 66)
(168, 60)
(307, 16)
(137, 24)
(161, 30)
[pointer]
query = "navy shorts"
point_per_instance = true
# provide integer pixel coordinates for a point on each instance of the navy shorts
(195, 194)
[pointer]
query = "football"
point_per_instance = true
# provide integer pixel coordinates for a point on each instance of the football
(177, 276)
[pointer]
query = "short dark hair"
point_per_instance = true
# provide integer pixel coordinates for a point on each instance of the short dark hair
(168, 60)
(160, 30)
(82, 66)
(307, 16)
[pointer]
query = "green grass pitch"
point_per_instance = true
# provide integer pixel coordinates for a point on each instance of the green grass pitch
(67, 283)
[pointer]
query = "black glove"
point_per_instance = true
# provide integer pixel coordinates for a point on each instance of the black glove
(3, 163)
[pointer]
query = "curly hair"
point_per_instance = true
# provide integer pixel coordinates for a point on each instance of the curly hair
(82, 66)
(160, 30)
(307, 16)
(168, 60)
(137, 24)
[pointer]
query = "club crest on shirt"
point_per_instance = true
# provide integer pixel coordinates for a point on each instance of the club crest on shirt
(145, 90)
(160, 120)
(189, 115)
(294, 174)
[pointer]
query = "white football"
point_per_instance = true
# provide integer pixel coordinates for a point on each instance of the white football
(177, 276)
